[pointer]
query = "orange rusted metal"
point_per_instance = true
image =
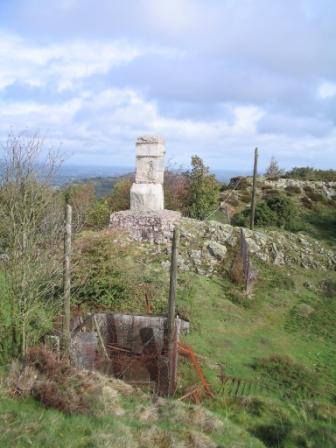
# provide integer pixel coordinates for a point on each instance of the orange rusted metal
(186, 350)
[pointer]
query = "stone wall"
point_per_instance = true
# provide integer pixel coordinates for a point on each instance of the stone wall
(153, 226)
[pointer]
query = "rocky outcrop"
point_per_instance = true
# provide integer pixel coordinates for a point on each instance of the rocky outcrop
(206, 245)
(327, 189)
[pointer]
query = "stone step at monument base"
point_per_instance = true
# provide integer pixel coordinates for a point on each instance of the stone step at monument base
(153, 226)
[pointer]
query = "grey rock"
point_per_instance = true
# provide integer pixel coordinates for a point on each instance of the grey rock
(216, 250)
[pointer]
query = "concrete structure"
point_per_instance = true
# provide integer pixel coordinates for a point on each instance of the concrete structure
(127, 346)
(147, 191)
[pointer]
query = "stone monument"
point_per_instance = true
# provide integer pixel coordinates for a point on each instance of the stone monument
(147, 220)
(147, 191)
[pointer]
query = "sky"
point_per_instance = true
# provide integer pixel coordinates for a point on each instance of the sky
(215, 78)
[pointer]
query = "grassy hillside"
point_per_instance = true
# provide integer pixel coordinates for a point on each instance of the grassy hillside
(278, 348)
(270, 360)
(97, 411)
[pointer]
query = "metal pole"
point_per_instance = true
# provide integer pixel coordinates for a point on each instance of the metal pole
(253, 202)
(171, 312)
(67, 280)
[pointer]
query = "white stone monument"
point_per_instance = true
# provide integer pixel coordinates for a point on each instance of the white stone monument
(147, 191)
(147, 220)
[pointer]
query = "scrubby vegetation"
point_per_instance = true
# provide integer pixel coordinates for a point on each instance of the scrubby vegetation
(276, 210)
(308, 173)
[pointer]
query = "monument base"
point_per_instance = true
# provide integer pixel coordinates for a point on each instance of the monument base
(153, 226)
(147, 197)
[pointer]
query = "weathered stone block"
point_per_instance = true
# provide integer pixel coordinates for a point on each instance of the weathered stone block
(153, 226)
(150, 152)
(147, 197)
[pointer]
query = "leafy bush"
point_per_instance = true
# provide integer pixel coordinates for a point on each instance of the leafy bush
(108, 275)
(120, 197)
(98, 215)
(276, 210)
(285, 213)
(204, 190)
(265, 216)
(240, 219)
(101, 277)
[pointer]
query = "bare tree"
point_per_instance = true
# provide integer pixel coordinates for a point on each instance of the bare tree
(31, 233)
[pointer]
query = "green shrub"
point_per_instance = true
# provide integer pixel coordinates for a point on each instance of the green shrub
(204, 190)
(107, 274)
(264, 215)
(98, 215)
(120, 197)
(276, 210)
(241, 219)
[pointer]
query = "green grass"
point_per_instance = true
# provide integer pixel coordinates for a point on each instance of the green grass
(232, 331)
(26, 423)
(235, 334)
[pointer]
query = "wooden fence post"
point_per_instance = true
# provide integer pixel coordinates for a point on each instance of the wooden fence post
(253, 202)
(171, 313)
(67, 280)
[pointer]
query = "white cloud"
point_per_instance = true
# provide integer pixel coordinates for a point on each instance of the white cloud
(327, 89)
(65, 63)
